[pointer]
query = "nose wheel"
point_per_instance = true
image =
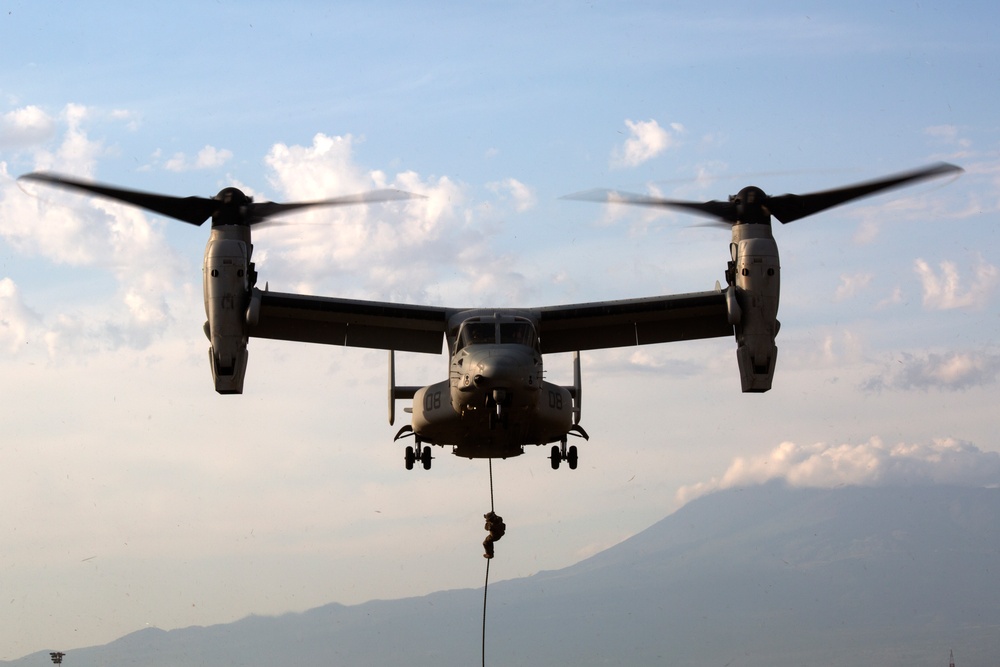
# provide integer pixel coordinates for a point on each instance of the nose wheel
(499, 406)
(562, 453)
(413, 455)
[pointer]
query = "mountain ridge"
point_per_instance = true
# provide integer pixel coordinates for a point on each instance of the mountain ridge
(754, 576)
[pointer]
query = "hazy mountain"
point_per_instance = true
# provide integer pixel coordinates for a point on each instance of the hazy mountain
(759, 576)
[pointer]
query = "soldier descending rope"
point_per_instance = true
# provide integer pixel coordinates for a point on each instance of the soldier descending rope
(496, 528)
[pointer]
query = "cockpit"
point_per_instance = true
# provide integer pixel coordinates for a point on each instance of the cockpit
(492, 331)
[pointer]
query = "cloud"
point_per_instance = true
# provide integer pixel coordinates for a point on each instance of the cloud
(647, 140)
(955, 372)
(895, 297)
(24, 127)
(17, 322)
(208, 157)
(129, 118)
(520, 194)
(944, 291)
(76, 153)
(872, 463)
(948, 135)
(922, 204)
(436, 248)
(850, 285)
(68, 228)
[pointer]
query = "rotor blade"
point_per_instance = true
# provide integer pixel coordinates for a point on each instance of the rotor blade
(788, 208)
(192, 210)
(260, 212)
(715, 209)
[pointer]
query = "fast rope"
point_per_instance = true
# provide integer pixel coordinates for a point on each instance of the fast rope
(496, 528)
(491, 485)
(485, 586)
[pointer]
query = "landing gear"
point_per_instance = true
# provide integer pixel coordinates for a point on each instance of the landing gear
(499, 406)
(562, 453)
(413, 454)
(498, 418)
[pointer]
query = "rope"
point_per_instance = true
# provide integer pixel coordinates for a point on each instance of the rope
(486, 585)
(492, 509)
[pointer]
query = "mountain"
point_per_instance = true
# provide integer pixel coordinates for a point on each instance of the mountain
(767, 575)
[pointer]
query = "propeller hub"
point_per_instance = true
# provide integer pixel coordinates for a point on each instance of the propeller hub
(233, 196)
(232, 209)
(751, 207)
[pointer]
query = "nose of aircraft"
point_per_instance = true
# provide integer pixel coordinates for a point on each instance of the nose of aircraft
(506, 368)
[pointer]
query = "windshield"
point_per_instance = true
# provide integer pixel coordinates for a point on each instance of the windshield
(477, 333)
(521, 333)
(518, 332)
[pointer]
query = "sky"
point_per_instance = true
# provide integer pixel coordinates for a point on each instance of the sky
(132, 495)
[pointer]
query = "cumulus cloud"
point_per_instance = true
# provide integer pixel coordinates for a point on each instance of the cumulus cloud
(324, 242)
(431, 249)
(24, 127)
(76, 153)
(943, 290)
(850, 285)
(434, 248)
(522, 196)
(82, 231)
(647, 140)
(208, 157)
(954, 371)
(872, 463)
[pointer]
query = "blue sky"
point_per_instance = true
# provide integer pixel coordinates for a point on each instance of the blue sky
(134, 495)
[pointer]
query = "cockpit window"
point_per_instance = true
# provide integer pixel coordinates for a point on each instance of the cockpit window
(477, 333)
(517, 332)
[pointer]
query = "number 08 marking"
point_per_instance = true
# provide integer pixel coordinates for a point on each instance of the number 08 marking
(555, 400)
(432, 401)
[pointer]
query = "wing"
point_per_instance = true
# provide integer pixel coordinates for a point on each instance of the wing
(660, 319)
(371, 324)
(410, 328)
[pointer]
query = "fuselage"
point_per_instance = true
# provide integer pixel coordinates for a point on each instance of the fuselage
(495, 400)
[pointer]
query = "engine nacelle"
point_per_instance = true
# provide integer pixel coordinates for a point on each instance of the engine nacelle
(229, 378)
(227, 273)
(755, 280)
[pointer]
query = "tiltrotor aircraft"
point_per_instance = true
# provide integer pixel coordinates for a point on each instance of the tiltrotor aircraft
(495, 400)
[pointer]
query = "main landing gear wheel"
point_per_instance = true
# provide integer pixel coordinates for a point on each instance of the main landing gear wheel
(563, 453)
(413, 454)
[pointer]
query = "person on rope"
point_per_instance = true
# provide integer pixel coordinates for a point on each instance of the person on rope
(496, 528)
